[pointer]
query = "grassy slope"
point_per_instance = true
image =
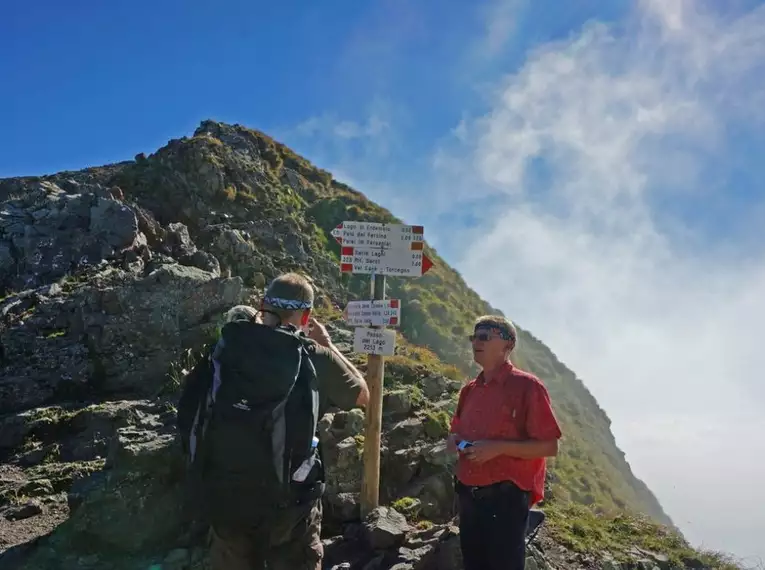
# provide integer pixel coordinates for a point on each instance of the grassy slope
(192, 175)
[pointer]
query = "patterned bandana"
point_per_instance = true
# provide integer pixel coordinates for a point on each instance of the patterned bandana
(287, 304)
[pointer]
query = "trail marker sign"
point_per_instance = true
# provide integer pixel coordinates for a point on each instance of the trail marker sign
(382, 313)
(400, 263)
(383, 236)
(382, 249)
(379, 250)
(381, 342)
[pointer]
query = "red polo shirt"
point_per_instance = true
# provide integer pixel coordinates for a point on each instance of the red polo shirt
(513, 405)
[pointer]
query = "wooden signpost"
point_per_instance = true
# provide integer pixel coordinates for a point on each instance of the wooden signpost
(378, 250)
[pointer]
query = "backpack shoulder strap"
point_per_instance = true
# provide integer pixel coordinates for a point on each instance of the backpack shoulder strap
(195, 388)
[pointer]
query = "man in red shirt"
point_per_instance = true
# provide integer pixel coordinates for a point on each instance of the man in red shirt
(504, 428)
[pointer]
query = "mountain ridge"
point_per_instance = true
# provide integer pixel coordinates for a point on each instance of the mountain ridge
(231, 203)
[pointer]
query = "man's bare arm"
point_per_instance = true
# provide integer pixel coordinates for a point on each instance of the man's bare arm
(529, 449)
(319, 333)
(363, 398)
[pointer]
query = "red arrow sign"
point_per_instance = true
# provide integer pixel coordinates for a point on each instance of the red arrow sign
(426, 264)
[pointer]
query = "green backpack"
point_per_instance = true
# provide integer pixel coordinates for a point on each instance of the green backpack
(251, 446)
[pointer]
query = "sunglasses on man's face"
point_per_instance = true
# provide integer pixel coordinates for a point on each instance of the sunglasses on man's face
(486, 336)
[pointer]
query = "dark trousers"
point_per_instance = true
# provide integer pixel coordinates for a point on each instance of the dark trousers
(289, 541)
(493, 522)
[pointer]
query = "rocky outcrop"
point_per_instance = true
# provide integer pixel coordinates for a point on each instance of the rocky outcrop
(89, 308)
(98, 302)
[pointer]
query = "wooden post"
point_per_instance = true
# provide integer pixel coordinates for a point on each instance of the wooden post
(370, 483)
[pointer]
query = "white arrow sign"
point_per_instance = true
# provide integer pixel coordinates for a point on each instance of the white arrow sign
(387, 236)
(376, 313)
(374, 341)
(401, 263)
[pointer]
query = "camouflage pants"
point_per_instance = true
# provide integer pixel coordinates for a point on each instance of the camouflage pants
(290, 542)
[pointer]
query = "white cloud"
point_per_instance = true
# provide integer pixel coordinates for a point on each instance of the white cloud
(500, 20)
(373, 126)
(598, 152)
(364, 137)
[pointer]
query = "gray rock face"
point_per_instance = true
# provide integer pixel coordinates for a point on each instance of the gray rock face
(406, 432)
(48, 233)
(436, 495)
(434, 386)
(344, 424)
(385, 528)
(24, 511)
(398, 468)
(344, 465)
(438, 455)
(343, 507)
(92, 309)
(434, 548)
(397, 403)
(37, 487)
(97, 300)
(116, 337)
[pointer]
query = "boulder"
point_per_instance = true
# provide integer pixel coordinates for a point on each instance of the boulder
(397, 403)
(344, 467)
(439, 456)
(434, 386)
(341, 507)
(117, 337)
(24, 511)
(398, 468)
(37, 488)
(384, 528)
(347, 424)
(436, 493)
(405, 433)
(447, 551)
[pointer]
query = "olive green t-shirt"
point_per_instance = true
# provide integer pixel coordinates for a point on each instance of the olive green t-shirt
(338, 385)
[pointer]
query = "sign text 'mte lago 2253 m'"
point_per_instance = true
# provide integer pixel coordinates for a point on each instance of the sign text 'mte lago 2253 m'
(374, 341)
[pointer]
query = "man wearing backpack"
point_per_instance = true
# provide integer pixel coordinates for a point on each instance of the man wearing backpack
(261, 477)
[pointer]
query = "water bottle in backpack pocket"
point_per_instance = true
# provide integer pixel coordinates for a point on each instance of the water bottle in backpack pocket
(305, 468)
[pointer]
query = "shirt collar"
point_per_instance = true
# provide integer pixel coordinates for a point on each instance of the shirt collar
(502, 370)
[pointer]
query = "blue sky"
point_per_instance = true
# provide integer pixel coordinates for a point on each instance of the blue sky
(93, 82)
(592, 168)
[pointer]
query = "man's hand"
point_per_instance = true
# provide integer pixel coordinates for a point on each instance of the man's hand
(482, 451)
(317, 332)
